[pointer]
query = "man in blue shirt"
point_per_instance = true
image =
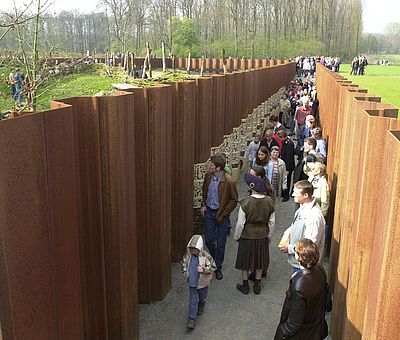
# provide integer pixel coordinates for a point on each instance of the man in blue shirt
(218, 201)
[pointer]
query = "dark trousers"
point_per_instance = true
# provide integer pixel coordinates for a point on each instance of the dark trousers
(285, 193)
(215, 235)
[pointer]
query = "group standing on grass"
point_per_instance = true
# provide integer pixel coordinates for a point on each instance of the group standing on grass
(272, 165)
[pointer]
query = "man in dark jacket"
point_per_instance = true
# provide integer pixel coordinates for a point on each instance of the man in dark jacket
(287, 155)
(218, 201)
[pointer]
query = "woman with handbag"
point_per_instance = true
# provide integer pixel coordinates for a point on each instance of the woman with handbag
(303, 312)
(256, 221)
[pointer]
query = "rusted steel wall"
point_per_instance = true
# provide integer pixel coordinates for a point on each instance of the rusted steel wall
(90, 215)
(218, 120)
(382, 315)
(203, 135)
(93, 188)
(105, 167)
(40, 289)
(183, 123)
(154, 162)
(361, 163)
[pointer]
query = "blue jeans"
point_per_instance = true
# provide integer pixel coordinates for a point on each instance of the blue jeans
(197, 299)
(215, 235)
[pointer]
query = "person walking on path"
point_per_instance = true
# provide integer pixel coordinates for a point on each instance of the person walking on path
(255, 224)
(251, 151)
(303, 312)
(276, 173)
(197, 269)
(287, 155)
(219, 199)
(308, 222)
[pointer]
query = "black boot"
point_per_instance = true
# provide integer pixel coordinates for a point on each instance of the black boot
(244, 288)
(257, 287)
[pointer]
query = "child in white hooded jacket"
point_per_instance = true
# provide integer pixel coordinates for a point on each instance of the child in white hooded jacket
(197, 269)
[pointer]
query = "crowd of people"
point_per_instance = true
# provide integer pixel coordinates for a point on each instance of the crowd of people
(291, 150)
(358, 65)
(306, 66)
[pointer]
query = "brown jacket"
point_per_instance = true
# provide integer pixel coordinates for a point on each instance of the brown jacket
(226, 192)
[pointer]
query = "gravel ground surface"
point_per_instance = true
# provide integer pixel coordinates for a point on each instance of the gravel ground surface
(228, 313)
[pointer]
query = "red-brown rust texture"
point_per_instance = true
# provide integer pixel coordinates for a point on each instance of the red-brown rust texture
(218, 119)
(90, 190)
(382, 315)
(116, 115)
(39, 263)
(184, 117)
(89, 201)
(203, 119)
(360, 162)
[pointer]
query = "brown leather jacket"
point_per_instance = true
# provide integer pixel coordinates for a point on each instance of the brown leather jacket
(227, 194)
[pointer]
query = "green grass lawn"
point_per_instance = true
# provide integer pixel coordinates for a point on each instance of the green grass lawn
(87, 81)
(383, 81)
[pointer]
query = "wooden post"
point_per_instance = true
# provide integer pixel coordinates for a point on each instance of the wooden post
(125, 63)
(144, 67)
(148, 59)
(164, 66)
(133, 65)
(173, 61)
(202, 65)
(189, 60)
(223, 60)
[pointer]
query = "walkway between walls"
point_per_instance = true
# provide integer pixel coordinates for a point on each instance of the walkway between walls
(228, 313)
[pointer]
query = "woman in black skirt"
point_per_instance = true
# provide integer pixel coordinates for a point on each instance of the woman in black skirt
(256, 220)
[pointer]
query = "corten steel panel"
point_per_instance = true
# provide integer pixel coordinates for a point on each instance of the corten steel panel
(357, 223)
(215, 64)
(365, 221)
(265, 63)
(195, 64)
(183, 132)
(143, 158)
(240, 100)
(203, 118)
(229, 65)
(39, 263)
(382, 319)
(181, 63)
(208, 64)
(117, 138)
(256, 88)
(218, 118)
(160, 142)
(345, 201)
(247, 94)
(90, 214)
(230, 103)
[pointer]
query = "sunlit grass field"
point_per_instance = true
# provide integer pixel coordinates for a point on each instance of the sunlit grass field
(383, 81)
(88, 81)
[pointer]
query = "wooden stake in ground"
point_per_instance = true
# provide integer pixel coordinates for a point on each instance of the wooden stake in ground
(164, 65)
(173, 61)
(188, 64)
(133, 66)
(148, 59)
(223, 60)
